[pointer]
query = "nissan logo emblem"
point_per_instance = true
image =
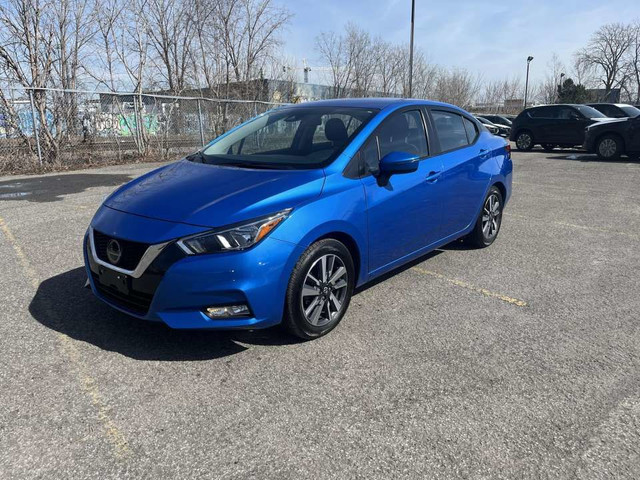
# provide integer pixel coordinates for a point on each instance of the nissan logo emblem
(114, 252)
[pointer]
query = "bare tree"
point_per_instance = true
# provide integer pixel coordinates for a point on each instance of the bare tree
(548, 89)
(170, 29)
(633, 58)
(29, 48)
(388, 67)
(457, 86)
(605, 54)
(332, 49)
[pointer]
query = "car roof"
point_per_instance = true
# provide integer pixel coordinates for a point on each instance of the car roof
(615, 104)
(371, 102)
(558, 105)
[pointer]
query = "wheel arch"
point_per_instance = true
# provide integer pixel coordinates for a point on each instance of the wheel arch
(503, 189)
(351, 244)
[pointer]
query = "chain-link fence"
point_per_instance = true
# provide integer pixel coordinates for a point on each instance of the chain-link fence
(52, 128)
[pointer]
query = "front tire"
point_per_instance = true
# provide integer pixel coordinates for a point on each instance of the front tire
(489, 221)
(524, 141)
(609, 147)
(320, 289)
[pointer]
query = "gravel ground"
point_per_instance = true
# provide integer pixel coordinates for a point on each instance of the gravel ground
(517, 361)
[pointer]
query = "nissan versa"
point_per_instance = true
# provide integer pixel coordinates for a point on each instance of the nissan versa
(278, 220)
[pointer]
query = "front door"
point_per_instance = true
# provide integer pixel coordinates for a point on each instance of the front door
(403, 211)
(570, 126)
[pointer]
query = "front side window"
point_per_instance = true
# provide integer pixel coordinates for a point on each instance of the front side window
(290, 137)
(451, 130)
(589, 112)
(566, 113)
(403, 132)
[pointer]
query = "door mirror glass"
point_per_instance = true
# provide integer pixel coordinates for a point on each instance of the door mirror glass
(399, 162)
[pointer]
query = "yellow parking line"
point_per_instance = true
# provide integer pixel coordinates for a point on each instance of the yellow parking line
(574, 225)
(468, 286)
(70, 350)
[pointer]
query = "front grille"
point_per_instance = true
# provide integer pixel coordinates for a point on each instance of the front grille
(131, 251)
(136, 302)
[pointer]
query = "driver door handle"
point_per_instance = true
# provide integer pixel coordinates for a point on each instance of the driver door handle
(433, 177)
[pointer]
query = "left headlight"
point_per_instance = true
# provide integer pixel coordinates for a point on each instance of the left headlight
(237, 237)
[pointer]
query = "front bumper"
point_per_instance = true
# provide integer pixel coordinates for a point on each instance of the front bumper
(180, 287)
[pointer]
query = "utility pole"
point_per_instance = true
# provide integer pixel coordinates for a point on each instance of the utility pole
(413, 15)
(526, 83)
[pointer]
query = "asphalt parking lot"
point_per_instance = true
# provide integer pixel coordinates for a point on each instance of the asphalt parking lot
(517, 361)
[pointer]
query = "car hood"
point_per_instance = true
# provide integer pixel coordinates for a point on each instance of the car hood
(606, 121)
(214, 195)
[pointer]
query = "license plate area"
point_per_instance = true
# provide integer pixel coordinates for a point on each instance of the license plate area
(113, 279)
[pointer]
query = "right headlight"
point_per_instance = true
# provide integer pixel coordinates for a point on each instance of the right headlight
(238, 237)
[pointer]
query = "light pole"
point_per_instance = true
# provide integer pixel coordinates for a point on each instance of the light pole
(413, 14)
(526, 83)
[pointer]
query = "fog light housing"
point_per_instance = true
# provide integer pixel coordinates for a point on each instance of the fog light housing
(227, 311)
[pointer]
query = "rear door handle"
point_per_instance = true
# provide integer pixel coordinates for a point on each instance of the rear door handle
(432, 177)
(484, 153)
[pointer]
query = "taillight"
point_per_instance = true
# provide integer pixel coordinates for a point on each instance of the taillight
(508, 149)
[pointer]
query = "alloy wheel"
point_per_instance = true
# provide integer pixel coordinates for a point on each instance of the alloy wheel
(523, 141)
(607, 148)
(324, 290)
(491, 216)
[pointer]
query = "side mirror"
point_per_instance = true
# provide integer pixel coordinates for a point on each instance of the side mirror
(398, 162)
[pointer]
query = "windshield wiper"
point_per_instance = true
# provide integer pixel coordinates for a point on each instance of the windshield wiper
(197, 157)
(266, 166)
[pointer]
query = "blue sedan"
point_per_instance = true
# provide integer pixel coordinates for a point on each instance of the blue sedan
(280, 219)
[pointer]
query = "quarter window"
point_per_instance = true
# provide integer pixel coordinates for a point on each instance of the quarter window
(472, 130)
(369, 156)
(451, 130)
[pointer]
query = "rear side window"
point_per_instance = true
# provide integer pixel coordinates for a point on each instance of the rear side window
(403, 132)
(472, 130)
(543, 112)
(451, 130)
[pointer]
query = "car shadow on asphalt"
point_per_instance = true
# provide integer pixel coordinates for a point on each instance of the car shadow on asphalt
(401, 269)
(51, 188)
(62, 304)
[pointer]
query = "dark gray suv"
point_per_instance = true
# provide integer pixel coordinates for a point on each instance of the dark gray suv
(553, 126)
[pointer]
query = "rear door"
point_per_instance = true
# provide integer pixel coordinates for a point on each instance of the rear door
(545, 124)
(464, 181)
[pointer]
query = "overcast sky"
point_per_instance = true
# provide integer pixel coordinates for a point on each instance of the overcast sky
(493, 38)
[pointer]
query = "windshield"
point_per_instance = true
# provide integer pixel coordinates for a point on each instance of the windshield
(589, 112)
(289, 138)
(629, 110)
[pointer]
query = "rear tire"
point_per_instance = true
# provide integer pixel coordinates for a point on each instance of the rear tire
(609, 147)
(319, 290)
(489, 221)
(524, 141)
